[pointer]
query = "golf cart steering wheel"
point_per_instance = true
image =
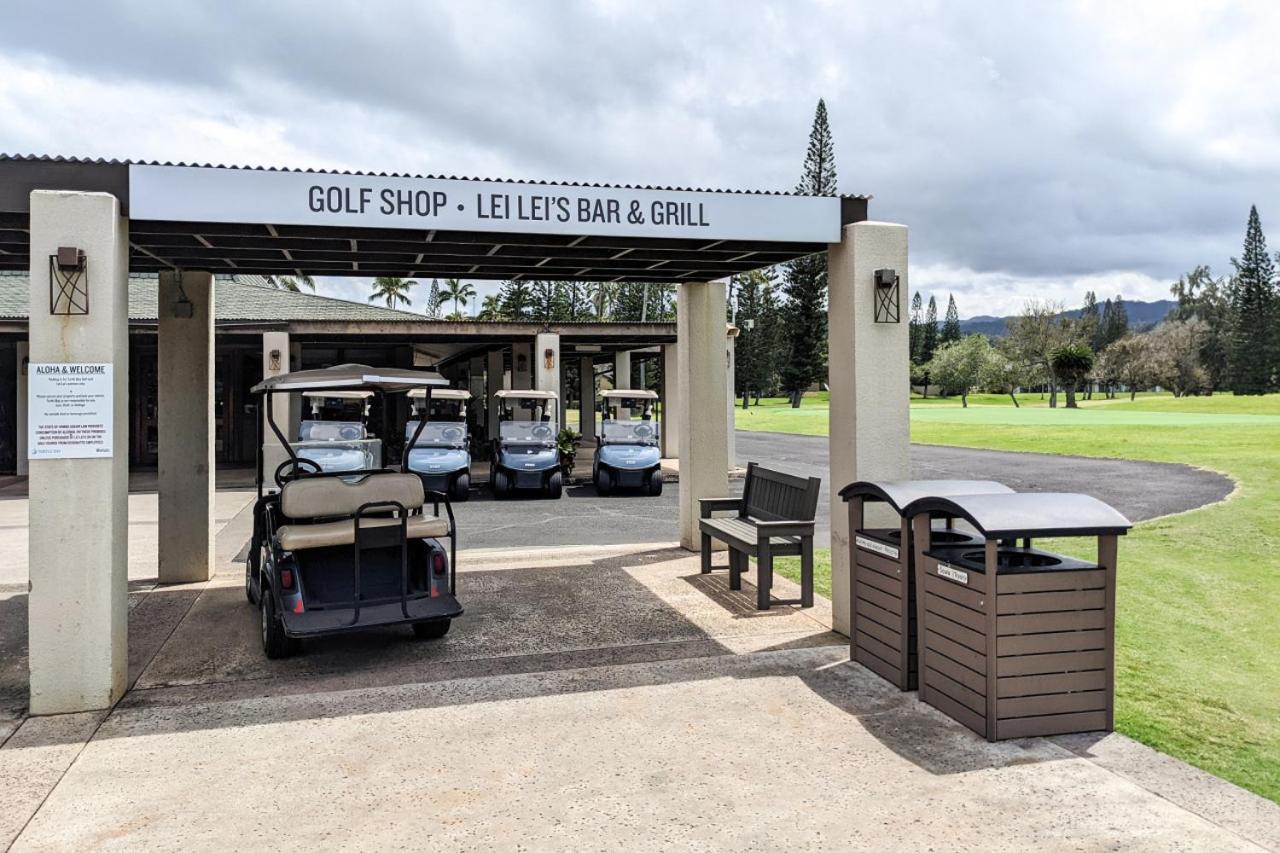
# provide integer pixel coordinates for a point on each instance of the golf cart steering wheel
(540, 431)
(452, 433)
(301, 462)
(643, 431)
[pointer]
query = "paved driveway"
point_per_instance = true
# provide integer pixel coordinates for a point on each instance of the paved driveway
(1140, 490)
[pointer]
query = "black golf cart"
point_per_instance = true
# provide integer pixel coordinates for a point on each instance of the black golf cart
(337, 551)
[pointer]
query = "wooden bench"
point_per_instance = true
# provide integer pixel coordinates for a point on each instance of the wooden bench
(774, 518)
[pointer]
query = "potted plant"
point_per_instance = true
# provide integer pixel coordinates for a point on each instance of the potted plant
(567, 442)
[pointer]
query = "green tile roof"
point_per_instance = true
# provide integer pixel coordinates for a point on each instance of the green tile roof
(236, 298)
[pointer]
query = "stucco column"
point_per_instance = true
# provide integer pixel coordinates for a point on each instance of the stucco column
(185, 397)
(587, 398)
(869, 376)
(22, 353)
(493, 376)
(622, 369)
(79, 525)
(521, 373)
(730, 379)
(275, 361)
(546, 360)
(670, 429)
(703, 406)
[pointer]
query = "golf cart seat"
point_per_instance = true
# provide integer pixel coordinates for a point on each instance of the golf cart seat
(314, 498)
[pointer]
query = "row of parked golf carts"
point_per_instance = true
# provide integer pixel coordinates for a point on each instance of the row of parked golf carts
(344, 540)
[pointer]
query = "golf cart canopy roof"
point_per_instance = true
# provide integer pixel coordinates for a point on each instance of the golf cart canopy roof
(628, 394)
(339, 395)
(514, 394)
(441, 394)
(1000, 516)
(352, 377)
(899, 493)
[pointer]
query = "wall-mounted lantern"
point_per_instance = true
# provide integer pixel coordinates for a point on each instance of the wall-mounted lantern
(274, 360)
(183, 308)
(886, 296)
(68, 282)
(549, 358)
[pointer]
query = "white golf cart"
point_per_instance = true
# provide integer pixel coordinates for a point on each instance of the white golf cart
(336, 436)
(627, 453)
(525, 455)
(442, 454)
(337, 551)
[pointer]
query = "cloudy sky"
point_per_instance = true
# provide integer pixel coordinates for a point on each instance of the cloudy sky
(1034, 149)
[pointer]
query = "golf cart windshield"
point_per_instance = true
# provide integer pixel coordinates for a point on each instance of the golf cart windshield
(446, 418)
(527, 417)
(628, 418)
(437, 434)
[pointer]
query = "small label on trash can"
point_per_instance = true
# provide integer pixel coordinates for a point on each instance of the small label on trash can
(952, 573)
(878, 547)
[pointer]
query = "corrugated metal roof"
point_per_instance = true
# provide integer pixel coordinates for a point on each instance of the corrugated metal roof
(114, 162)
(236, 298)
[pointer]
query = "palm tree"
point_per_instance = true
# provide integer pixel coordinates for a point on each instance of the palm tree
(490, 309)
(459, 292)
(292, 283)
(392, 290)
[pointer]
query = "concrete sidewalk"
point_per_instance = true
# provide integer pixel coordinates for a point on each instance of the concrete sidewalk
(590, 698)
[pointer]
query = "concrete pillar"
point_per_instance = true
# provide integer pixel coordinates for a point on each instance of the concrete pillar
(587, 396)
(494, 372)
(22, 354)
(79, 525)
(185, 397)
(276, 357)
(546, 360)
(521, 373)
(703, 406)
(869, 376)
(669, 431)
(730, 379)
(622, 369)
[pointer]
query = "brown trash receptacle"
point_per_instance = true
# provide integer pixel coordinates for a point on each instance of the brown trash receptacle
(882, 589)
(1014, 641)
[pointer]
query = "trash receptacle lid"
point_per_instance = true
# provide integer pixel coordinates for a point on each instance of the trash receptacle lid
(899, 493)
(997, 516)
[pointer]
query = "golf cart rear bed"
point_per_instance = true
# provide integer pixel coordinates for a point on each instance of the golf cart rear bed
(314, 623)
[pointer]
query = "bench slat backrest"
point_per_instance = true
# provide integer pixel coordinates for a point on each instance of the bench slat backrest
(770, 495)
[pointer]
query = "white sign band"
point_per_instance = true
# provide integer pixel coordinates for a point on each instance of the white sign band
(877, 547)
(206, 194)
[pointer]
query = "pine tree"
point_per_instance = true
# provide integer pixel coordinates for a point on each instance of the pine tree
(929, 332)
(914, 330)
(435, 298)
(516, 299)
(1253, 346)
(751, 356)
(805, 279)
(951, 325)
(1091, 320)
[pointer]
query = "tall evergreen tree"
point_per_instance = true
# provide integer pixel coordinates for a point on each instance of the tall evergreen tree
(1253, 346)
(929, 332)
(516, 299)
(1202, 297)
(914, 330)
(1091, 320)
(805, 279)
(951, 325)
(751, 355)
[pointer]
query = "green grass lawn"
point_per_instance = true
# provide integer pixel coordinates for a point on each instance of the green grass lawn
(1198, 604)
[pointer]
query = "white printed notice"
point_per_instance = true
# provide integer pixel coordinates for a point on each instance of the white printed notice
(69, 411)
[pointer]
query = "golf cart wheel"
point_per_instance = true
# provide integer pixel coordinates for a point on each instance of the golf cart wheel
(604, 482)
(555, 484)
(433, 630)
(461, 487)
(275, 644)
(655, 482)
(501, 484)
(251, 564)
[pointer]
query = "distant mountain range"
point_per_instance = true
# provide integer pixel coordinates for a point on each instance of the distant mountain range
(1140, 314)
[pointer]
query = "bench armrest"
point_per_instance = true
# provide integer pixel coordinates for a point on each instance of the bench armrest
(765, 529)
(706, 506)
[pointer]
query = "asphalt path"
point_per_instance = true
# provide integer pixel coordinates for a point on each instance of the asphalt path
(1140, 490)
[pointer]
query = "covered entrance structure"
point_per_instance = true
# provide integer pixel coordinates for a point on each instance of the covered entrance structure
(80, 227)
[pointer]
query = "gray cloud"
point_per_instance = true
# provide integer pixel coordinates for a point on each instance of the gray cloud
(1021, 142)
